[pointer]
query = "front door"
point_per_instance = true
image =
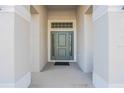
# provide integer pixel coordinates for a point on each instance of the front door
(62, 45)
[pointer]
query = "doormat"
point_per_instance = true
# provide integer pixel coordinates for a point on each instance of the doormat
(62, 63)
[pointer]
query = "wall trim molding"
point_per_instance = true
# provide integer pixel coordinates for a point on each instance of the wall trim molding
(99, 82)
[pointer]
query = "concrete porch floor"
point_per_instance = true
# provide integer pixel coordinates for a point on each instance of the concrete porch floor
(61, 77)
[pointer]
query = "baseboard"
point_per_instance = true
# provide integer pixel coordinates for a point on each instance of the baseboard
(99, 82)
(24, 82)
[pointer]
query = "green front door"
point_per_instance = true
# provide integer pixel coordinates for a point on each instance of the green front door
(62, 45)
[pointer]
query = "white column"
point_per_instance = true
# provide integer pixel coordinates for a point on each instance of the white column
(101, 46)
(109, 46)
(7, 46)
(116, 46)
(14, 47)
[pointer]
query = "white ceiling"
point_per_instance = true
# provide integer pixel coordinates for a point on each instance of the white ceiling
(61, 6)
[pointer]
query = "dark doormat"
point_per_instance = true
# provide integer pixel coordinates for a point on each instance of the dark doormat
(62, 63)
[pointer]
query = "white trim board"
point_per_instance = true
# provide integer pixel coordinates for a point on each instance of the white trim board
(75, 39)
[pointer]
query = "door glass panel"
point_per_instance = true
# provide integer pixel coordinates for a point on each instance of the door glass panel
(52, 45)
(62, 52)
(62, 25)
(62, 40)
(70, 45)
(62, 45)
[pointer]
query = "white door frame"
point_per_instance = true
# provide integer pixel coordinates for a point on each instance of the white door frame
(59, 29)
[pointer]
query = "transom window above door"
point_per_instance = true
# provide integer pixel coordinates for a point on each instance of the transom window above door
(62, 25)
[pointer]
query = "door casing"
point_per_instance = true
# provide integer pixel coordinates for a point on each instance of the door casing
(64, 29)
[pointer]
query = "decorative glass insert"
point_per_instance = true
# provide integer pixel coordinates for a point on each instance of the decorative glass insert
(52, 45)
(62, 25)
(70, 46)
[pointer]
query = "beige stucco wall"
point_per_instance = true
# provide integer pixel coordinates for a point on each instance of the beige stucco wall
(61, 14)
(84, 38)
(39, 38)
(80, 37)
(89, 42)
